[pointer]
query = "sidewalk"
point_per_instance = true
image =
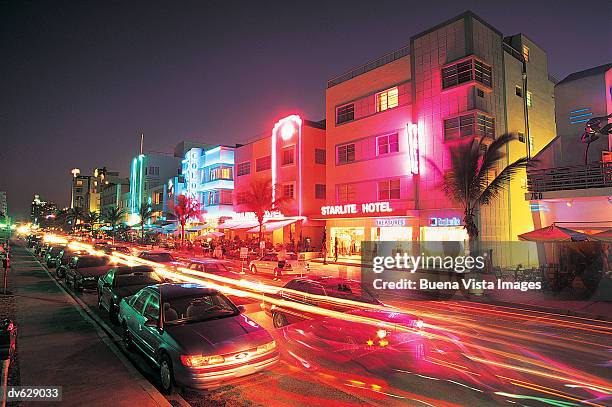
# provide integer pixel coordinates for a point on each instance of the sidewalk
(58, 346)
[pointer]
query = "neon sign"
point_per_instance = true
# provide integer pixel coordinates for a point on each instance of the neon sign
(381, 223)
(191, 166)
(288, 127)
(441, 222)
(351, 209)
(413, 147)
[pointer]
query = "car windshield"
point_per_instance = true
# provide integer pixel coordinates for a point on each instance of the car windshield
(137, 279)
(194, 308)
(158, 257)
(209, 267)
(351, 292)
(93, 261)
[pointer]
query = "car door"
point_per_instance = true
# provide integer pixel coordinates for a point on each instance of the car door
(295, 293)
(106, 288)
(136, 319)
(151, 336)
(270, 262)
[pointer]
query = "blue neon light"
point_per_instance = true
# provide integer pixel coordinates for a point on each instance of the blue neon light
(580, 110)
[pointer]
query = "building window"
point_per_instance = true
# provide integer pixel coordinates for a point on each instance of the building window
(320, 156)
(320, 192)
(472, 124)
(389, 189)
(529, 99)
(521, 137)
(387, 144)
(345, 154)
(287, 156)
(480, 93)
(79, 190)
(345, 113)
(241, 198)
(79, 182)
(243, 168)
(345, 193)
(288, 190)
(519, 91)
(263, 163)
(220, 173)
(221, 197)
(466, 71)
(387, 99)
(526, 53)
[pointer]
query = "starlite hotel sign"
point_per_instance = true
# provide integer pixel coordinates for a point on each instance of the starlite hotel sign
(354, 209)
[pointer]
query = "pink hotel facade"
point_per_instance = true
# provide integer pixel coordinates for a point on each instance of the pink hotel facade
(372, 169)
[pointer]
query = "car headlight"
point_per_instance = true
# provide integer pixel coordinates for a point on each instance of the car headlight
(381, 333)
(266, 347)
(200, 361)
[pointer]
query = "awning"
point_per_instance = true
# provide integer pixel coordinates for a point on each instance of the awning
(272, 225)
(605, 236)
(245, 224)
(210, 234)
(553, 233)
(197, 228)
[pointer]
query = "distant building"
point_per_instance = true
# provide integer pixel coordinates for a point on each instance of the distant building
(3, 204)
(81, 190)
(42, 213)
(111, 193)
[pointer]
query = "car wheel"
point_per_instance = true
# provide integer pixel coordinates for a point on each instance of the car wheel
(166, 376)
(253, 269)
(279, 320)
(125, 336)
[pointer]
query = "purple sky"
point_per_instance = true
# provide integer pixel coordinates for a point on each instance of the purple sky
(79, 81)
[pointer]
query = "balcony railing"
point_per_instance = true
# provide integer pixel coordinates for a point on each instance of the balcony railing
(597, 175)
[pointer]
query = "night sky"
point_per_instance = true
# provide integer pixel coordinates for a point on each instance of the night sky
(79, 81)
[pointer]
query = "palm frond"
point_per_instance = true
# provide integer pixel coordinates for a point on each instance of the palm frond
(499, 183)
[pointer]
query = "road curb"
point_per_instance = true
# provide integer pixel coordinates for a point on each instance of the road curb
(110, 339)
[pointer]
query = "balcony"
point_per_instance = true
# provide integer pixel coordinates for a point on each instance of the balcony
(596, 175)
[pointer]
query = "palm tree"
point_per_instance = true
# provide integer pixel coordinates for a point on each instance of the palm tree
(258, 199)
(145, 213)
(61, 219)
(469, 181)
(113, 216)
(74, 215)
(90, 219)
(185, 209)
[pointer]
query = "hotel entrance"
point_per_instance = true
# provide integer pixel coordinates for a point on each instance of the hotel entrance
(349, 240)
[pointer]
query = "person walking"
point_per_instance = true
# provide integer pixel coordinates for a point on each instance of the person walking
(282, 258)
(336, 250)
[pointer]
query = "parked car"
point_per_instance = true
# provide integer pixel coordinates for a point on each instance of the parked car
(100, 245)
(62, 260)
(109, 249)
(160, 256)
(332, 288)
(39, 246)
(83, 271)
(32, 240)
(121, 282)
(214, 266)
(294, 264)
(195, 335)
(52, 254)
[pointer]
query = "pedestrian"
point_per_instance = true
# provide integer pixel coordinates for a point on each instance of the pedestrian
(335, 250)
(324, 250)
(282, 258)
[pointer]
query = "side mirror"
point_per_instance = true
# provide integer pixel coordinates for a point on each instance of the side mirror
(242, 309)
(151, 323)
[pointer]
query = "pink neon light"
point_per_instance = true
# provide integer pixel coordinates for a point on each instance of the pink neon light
(413, 147)
(287, 126)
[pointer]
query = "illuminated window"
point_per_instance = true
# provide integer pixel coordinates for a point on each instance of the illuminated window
(387, 144)
(529, 99)
(243, 168)
(320, 192)
(466, 71)
(220, 173)
(345, 154)
(263, 163)
(519, 91)
(346, 193)
(387, 99)
(221, 197)
(345, 113)
(79, 182)
(389, 189)
(288, 190)
(320, 156)
(526, 53)
(472, 124)
(287, 155)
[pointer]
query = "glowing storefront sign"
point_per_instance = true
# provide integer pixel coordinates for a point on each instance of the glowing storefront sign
(390, 222)
(441, 222)
(351, 209)
(288, 127)
(191, 166)
(413, 147)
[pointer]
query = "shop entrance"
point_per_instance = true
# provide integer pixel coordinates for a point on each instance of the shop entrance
(392, 234)
(348, 241)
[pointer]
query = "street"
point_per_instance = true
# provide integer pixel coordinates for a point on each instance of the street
(475, 355)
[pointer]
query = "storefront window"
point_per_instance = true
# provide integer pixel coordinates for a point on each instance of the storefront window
(347, 240)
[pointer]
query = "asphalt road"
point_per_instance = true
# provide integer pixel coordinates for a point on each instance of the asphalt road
(476, 355)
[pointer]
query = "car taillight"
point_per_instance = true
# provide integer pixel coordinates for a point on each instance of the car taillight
(266, 347)
(199, 361)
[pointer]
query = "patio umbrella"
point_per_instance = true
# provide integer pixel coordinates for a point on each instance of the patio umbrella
(553, 233)
(605, 236)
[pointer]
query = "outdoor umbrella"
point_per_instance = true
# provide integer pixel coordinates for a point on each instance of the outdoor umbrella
(605, 236)
(553, 233)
